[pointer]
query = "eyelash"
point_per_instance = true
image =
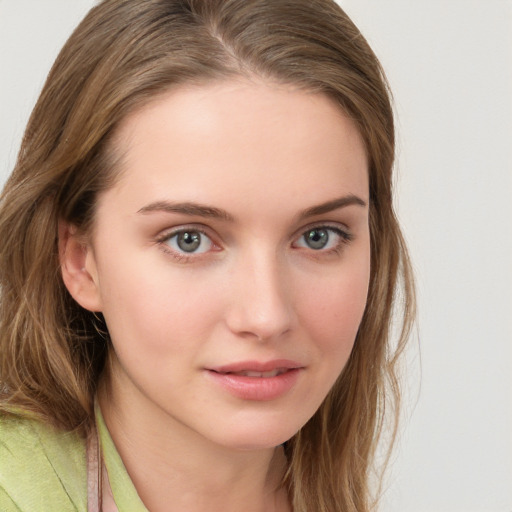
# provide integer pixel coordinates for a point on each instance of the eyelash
(163, 241)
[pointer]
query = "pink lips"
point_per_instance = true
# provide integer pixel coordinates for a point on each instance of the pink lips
(259, 381)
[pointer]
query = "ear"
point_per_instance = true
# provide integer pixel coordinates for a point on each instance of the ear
(78, 267)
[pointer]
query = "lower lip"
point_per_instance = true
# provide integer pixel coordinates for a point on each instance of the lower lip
(257, 388)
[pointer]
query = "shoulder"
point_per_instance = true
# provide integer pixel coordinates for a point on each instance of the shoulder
(41, 468)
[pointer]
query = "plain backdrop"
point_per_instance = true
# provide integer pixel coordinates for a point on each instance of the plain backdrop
(449, 63)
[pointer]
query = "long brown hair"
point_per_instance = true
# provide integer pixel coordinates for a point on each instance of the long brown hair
(123, 54)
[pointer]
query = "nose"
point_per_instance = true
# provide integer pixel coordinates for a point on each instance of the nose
(260, 307)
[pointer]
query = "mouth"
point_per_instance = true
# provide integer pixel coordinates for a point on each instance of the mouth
(255, 374)
(257, 381)
(257, 369)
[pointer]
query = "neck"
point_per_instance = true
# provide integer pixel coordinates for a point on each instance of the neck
(173, 468)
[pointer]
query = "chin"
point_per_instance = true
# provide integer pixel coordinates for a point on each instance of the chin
(258, 434)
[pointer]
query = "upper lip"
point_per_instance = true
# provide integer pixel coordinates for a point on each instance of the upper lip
(257, 366)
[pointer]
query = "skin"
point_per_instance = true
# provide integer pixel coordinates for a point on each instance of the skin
(254, 290)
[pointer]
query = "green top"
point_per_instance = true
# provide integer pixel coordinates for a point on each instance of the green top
(45, 469)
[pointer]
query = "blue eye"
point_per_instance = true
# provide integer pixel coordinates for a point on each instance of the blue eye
(189, 241)
(322, 238)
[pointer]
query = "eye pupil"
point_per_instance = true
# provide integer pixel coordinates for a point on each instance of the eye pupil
(189, 241)
(317, 238)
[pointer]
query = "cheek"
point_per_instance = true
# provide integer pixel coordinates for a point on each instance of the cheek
(333, 309)
(156, 307)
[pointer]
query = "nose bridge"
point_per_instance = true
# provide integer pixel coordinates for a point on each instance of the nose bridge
(261, 305)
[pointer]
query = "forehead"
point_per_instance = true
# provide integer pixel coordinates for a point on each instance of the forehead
(254, 140)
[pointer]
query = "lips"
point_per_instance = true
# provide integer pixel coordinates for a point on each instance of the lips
(258, 381)
(258, 367)
(254, 374)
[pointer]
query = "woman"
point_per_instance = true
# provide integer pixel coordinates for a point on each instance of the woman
(199, 265)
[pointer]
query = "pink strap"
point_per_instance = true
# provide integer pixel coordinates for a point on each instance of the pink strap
(94, 467)
(99, 493)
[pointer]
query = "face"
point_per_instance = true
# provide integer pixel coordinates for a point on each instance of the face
(231, 259)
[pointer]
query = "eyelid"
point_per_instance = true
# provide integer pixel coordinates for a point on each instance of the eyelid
(338, 227)
(167, 233)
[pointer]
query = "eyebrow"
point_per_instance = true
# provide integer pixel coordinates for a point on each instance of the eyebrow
(201, 210)
(334, 204)
(187, 208)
